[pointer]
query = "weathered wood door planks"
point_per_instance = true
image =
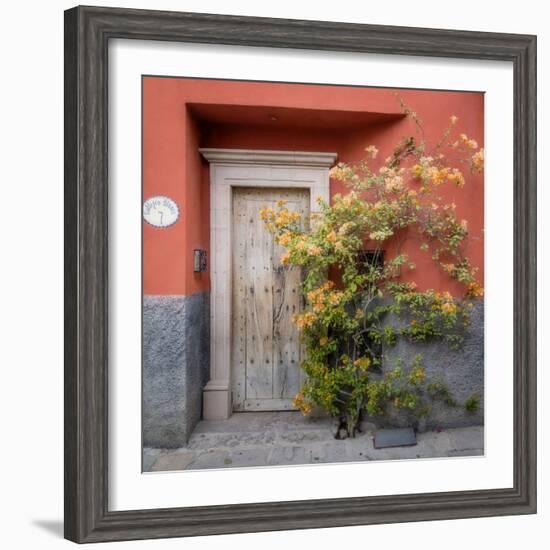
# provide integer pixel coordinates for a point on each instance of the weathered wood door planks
(265, 342)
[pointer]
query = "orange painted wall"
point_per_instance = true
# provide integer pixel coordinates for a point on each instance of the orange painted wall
(180, 115)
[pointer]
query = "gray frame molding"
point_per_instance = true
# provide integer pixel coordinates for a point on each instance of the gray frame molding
(87, 34)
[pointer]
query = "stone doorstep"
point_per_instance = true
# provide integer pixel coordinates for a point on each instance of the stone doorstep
(261, 421)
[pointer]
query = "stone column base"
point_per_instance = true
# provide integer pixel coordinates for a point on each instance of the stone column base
(216, 401)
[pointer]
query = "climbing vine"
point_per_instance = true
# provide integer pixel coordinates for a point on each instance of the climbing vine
(364, 304)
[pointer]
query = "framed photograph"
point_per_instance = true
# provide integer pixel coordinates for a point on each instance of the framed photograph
(300, 274)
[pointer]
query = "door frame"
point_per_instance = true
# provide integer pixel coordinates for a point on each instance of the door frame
(231, 168)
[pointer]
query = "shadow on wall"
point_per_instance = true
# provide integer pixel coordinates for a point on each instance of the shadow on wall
(52, 526)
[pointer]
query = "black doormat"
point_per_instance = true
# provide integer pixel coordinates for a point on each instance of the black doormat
(395, 437)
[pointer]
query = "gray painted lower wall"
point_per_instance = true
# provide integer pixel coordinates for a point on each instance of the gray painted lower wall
(461, 370)
(175, 366)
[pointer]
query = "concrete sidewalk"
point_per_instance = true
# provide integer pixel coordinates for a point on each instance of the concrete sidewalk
(288, 438)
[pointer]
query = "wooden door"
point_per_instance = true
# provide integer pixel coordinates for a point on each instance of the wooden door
(266, 349)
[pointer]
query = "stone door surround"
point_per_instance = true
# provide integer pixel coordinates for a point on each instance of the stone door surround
(245, 168)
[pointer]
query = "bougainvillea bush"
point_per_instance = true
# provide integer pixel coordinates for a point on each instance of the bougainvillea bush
(353, 289)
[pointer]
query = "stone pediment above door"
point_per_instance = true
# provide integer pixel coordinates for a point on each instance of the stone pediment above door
(272, 158)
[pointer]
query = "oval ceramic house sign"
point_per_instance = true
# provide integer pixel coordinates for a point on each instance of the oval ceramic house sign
(160, 211)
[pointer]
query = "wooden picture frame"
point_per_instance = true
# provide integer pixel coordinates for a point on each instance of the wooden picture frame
(87, 34)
